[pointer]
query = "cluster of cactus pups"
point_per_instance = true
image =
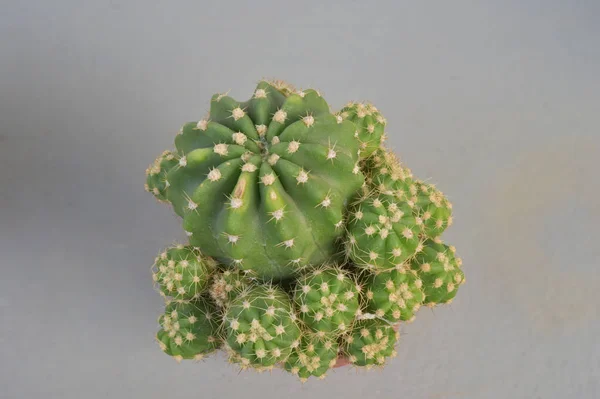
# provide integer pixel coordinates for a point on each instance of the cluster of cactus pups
(309, 240)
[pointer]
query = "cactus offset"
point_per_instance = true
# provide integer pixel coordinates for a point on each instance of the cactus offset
(261, 326)
(313, 357)
(371, 342)
(383, 232)
(440, 271)
(228, 285)
(394, 295)
(156, 175)
(189, 329)
(182, 272)
(326, 300)
(369, 125)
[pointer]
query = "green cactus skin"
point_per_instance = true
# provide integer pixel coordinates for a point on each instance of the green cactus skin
(261, 326)
(156, 175)
(263, 185)
(229, 284)
(313, 357)
(182, 272)
(394, 295)
(190, 329)
(327, 300)
(371, 342)
(369, 123)
(440, 270)
(382, 232)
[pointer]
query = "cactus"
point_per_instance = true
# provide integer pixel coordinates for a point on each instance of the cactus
(156, 175)
(433, 208)
(386, 174)
(383, 232)
(440, 271)
(394, 295)
(326, 300)
(313, 357)
(262, 185)
(371, 342)
(189, 329)
(228, 285)
(182, 272)
(261, 326)
(309, 240)
(369, 125)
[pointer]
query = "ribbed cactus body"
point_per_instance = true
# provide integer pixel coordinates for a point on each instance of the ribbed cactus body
(386, 174)
(326, 300)
(369, 125)
(261, 326)
(394, 295)
(182, 272)
(383, 233)
(371, 342)
(440, 271)
(433, 208)
(313, 357)
(229, 284)
(156, 175)
(189, 329)
(263, 185)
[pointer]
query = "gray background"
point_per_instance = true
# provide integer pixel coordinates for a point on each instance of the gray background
(497, 102)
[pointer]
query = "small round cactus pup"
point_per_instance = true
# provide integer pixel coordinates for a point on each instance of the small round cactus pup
(369, 125)
(182, 272)
(382, 233)
(263, 185)
(156, 175)
(189, 329)
(313, 357)
(229, 284)
(433, 208)
(327, 300)
(440, 270)
(386, 174)
(261, 327)
(370, 343)
(394, 295)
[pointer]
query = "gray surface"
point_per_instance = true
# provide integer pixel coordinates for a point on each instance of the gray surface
(497, 102)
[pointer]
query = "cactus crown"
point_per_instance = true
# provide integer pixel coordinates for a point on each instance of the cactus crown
(309, 240)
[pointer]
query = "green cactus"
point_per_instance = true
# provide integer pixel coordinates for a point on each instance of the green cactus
(440, 271)
(189, 329)
(261, 326)
(369, 125)
(229, 284)
(156, 175)
(394, 295)
(313, 357)
(273, 192)
(433, 208)
(386, 174)
(371, 342)
(326, 300)
(263, 184)
(182, 272)
(382, 232)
